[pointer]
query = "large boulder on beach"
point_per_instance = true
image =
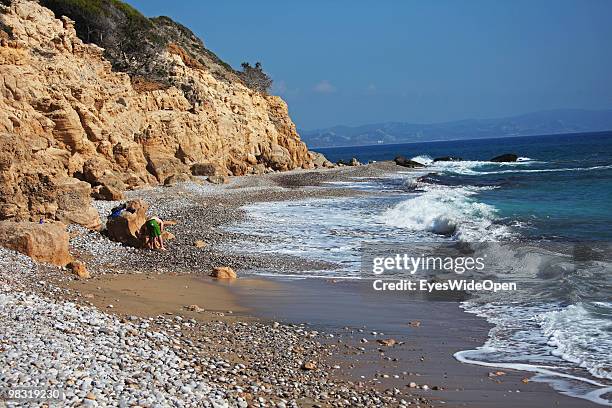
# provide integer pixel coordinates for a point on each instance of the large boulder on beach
(218, 179)
(164, 167)
(223, 272)
(404, 162)
(46, 242)
(107, 193)
(319, 160)
(74, 201)
(206, 169)
(127, 227)
(505, 158)
(277, 158)
(177, 178)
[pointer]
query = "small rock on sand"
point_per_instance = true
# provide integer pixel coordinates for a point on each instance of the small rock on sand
(309, 366)
(78, 268)
(387, 342)
(194, 308)
(223, 272)
(199, 244)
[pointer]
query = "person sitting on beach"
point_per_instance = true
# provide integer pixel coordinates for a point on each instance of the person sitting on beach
(155, 227)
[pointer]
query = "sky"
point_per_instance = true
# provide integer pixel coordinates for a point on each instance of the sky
(341, 62)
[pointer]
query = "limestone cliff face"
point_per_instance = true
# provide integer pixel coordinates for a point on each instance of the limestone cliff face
(64, 113)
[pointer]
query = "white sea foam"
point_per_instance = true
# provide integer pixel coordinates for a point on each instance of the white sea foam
(447, 211)
(547, 339)
(467, 168)
(574, 332)
(423, 159)
(317, 229)
(561, 381)
(563, 169)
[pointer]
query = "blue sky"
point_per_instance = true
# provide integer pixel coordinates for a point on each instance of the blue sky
(357, 62)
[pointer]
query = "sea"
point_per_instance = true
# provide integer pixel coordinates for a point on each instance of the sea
(553, 203)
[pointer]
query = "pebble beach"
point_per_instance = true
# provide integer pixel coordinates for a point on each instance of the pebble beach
(56, 334)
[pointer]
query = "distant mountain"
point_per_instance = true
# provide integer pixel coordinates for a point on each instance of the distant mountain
(537, 123)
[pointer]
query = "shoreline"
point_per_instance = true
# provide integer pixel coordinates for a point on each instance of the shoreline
(431, 328)
(155, 287)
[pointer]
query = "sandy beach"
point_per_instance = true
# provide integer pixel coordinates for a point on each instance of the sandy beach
(258, 333)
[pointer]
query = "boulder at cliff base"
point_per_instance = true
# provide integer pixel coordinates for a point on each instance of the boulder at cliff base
(47, 242)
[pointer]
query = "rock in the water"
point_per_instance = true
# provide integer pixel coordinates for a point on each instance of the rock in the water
(447, 158)
(127, 227)
(402, 161)
(223, 272)
(78, 268)
(46, 242)
(354, 162)
(414, 323)
(195, 308)
(107, 193)
(505, 158)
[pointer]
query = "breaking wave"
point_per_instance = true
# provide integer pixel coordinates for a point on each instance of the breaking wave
(573, 332)
(451, 212)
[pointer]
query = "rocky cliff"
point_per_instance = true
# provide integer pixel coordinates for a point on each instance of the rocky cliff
(70, 121)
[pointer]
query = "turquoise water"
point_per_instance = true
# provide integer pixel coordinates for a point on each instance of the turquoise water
(563, 190)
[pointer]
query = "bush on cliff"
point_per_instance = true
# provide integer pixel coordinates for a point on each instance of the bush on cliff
(133, 43)
(255, 77)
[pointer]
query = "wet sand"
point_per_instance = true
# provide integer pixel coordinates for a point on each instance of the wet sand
(426, 357)
(153, 295)
(429, 331)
